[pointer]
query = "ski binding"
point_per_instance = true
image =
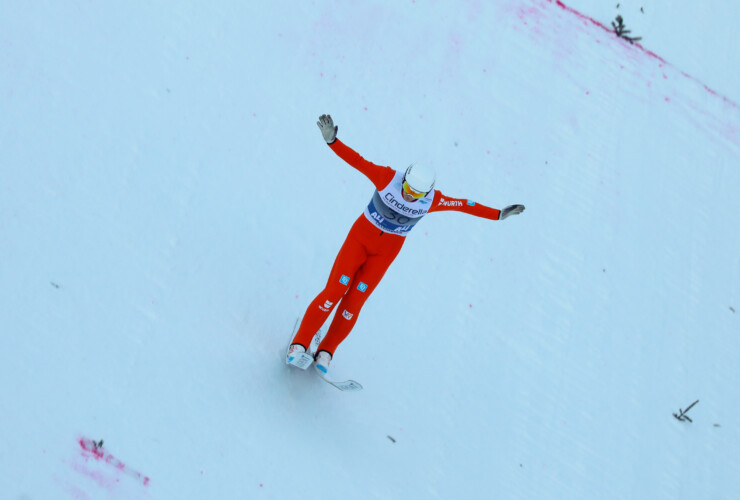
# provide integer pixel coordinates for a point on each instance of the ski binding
(301, 360)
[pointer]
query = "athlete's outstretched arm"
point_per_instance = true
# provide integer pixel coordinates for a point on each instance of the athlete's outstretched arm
(442, 202)
(380, 176)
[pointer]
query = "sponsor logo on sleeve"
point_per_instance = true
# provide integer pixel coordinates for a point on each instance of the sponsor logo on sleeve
(450, 203)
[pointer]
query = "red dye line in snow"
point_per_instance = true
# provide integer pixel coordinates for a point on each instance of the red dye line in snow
(582, 16)
(650, 53)
(91, 450)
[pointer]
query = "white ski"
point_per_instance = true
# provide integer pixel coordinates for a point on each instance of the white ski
(300, 359)
(347, 385)
(303, 360)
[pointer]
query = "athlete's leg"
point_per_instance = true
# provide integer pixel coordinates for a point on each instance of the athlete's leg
(366, 280)
(350, 258)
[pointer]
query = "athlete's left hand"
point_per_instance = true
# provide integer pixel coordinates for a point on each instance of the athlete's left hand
(511, 210)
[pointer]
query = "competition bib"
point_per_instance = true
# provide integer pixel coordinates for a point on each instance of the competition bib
(389, 212)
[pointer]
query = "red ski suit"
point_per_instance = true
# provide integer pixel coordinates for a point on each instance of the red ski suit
(369, 250)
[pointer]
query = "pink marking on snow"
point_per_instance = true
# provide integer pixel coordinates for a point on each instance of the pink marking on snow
(90, 447)
(650, 53)
(530, 13)
(101, 479)
(711, 91)
(76, 492)
(90, 450)
(582, 16)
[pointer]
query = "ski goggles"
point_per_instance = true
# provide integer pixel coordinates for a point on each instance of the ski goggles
(411, 192)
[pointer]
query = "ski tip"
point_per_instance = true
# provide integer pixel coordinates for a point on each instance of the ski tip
(347, 385)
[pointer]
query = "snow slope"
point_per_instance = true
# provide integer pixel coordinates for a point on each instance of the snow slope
(168, 207)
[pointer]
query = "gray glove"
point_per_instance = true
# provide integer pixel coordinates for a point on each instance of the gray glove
(328, 129)
(511, 210)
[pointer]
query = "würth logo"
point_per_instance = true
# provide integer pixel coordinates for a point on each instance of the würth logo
(450, 203)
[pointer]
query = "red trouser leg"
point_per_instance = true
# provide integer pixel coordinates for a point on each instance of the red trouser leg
(361, 263)
(351, 256)
(366, 279)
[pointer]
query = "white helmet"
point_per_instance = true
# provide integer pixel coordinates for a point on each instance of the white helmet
(420, 177)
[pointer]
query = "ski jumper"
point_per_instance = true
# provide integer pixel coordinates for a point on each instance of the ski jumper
(371, 246)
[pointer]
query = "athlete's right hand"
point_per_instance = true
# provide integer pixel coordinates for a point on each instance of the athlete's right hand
(328, 129)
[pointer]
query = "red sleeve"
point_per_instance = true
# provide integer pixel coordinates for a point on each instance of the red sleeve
(380, 176)
(442, 203)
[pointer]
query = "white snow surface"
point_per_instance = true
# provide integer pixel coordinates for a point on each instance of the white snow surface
(168, 208)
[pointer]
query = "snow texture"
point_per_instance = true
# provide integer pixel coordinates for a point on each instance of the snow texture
(168, 207)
